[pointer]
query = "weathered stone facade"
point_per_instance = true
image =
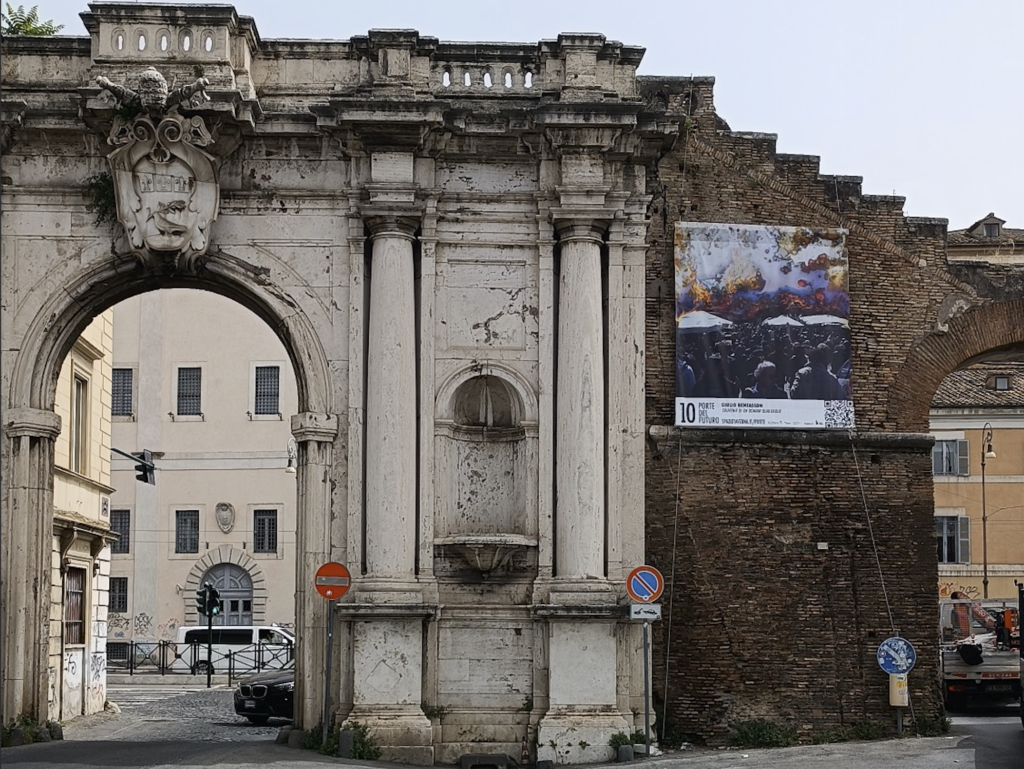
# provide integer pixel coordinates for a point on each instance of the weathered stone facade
(466, 250)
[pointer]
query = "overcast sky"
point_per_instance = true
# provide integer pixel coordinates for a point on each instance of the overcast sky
(922, 98)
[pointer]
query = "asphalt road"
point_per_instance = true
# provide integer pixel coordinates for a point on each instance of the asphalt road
(995, 734)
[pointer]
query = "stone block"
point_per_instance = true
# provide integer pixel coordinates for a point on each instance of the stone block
(282, 735)
(346, 739)
(296, 738)
(624, 753)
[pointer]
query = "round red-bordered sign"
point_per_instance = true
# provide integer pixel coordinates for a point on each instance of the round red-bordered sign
(644, 584)
(332, 580)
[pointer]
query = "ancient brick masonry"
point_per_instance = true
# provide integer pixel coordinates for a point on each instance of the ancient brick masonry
(762, 621)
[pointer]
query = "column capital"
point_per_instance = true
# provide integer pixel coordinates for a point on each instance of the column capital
(38, 423)
(395, 224)
(309, 426)
(580, 228)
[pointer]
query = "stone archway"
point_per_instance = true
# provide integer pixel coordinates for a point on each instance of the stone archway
(52, 315)
(990, 329)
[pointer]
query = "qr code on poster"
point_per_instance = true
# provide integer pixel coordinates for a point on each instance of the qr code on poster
(838, 415)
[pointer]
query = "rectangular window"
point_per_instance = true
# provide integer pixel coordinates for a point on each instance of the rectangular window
(1002, 383)
(121, 392)
(267, 390)
(74, 606)
(264, 531)
(953, 536)
(121, 524)
(186, 531)
(951, 458)
(79, 425)
(190, 391)
(119, 594)
(992, 230)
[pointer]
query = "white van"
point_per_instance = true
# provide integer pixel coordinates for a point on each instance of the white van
(236, 649)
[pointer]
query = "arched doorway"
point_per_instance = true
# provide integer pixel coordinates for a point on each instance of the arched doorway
(53, 317)
(235, 587)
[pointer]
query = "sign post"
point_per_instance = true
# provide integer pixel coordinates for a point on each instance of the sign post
(332, 581)
(644, 585)
(896, 656)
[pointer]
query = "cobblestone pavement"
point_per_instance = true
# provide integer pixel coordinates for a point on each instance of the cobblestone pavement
(205, 716)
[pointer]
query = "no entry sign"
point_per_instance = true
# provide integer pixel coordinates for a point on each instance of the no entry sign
(332, 580)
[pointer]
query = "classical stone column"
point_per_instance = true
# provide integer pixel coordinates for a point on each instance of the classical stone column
(314, 434)
(391, 404)
(580, 399)
(27, 558)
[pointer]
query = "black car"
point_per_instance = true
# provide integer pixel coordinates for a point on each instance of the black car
(266, 695)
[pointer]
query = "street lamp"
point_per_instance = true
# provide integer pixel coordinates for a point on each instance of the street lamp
(986, 453)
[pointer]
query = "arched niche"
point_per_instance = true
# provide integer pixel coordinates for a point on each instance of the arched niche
(486, 450)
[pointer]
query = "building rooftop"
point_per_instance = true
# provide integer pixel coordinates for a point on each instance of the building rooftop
(986, 232)
(988, 385)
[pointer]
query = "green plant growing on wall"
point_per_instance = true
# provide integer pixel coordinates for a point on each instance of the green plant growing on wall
(363, 745)
(434, 711)
(99, 189)
(18, 21)
(619, 739)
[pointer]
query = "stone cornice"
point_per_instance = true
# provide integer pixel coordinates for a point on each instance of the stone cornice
(37, 423)
(308, 426)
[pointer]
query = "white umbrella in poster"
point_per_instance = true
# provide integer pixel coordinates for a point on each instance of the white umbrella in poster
(782, 320)
(824, 320)
(700, 320)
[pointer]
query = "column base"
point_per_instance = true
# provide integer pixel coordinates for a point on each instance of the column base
(402, 732)
(578, 735)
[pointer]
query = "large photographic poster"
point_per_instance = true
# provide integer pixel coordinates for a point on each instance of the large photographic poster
(762, 327)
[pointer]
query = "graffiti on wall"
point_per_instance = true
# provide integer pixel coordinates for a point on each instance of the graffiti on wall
(118, 625)
(166, 631)
(143, 624)
(948, 588)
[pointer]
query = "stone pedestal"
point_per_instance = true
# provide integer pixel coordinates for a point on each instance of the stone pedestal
(388, 678)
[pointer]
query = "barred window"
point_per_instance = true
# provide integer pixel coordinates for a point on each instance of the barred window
(119, 594)
(264, 531)
(117, 651)
(74, 606)
(121, 392)
(121, 524)
(190, 391)
(267, 389)
(186, 531)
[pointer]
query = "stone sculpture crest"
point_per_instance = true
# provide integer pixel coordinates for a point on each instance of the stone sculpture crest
(165, 185)
(225, 515)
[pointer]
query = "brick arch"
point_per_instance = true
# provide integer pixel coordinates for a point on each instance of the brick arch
(215, 557)
(972, 336)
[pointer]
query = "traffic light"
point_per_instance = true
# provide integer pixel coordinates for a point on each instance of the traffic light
(201, 599)
(214, 601)
(145, 468)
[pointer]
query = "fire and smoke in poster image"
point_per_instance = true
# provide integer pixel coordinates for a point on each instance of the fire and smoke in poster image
(762, 334)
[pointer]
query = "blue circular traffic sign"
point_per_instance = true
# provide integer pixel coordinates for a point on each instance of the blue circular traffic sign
(644, 584)
(896, 655)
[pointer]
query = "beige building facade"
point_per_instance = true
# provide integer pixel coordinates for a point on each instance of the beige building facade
(978, 416)
(79, 580)
(207, 387)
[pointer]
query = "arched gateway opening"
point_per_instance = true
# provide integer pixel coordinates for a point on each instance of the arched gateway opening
(65, 309)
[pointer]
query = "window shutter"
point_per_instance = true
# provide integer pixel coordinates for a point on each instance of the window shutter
(937, 458)
(965, 540)
(963, 455)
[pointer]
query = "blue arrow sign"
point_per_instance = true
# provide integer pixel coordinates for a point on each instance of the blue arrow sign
(896, 655)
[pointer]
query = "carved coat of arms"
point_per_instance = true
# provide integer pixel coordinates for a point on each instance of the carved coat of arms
(165, 184)
(225, 515)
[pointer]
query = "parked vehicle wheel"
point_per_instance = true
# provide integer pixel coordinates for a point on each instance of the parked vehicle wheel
(258, 720)
(200, 668)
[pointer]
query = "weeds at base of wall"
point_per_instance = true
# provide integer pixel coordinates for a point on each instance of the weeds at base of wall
(829, 736)
(924, 726)
(761, 734)
(31, 730)
(363, 745)
(871, 730)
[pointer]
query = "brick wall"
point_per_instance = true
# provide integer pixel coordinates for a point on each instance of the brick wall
(764, 624)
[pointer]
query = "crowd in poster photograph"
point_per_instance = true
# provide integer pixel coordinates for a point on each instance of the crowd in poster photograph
(762, 331)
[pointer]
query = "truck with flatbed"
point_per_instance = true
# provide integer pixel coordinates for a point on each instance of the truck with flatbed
(981, 651)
